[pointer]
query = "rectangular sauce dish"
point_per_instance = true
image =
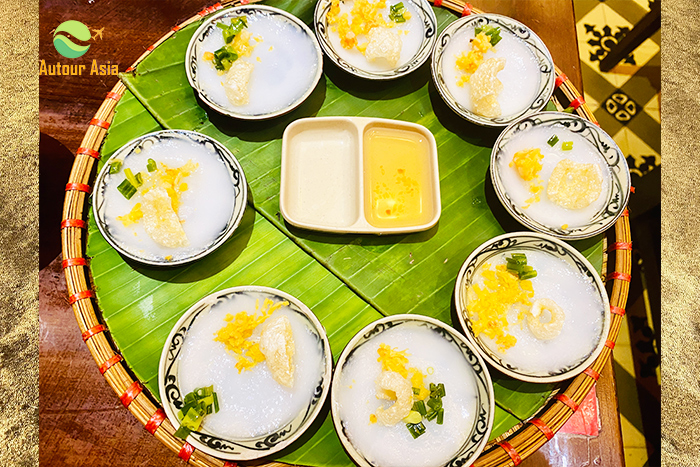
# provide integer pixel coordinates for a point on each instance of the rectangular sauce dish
(359, 175)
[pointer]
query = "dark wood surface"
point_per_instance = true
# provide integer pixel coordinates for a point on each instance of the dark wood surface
(82, 422)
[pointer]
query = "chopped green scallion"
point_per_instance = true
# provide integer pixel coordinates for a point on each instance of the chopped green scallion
(151, 166)
(115, 167)
(494, 33)
(416, 391)
(553, 140)
(440, 416)
(416, 429)
(127, 189)
(567, 145)
(419, 407)
(396, 13)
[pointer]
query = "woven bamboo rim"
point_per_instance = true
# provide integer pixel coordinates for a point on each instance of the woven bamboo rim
(508, 450)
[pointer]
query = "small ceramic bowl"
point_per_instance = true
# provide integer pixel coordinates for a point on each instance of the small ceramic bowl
(538, 68)
(176, 146)
(289, 54)
(170, 379)
(567, 266)
(421, 40)
(473, 376)
(545, 216)
(327, 176)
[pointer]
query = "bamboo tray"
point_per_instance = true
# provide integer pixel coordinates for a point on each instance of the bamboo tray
(517, 443)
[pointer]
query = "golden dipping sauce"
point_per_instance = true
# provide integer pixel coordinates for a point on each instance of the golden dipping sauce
(397, 171)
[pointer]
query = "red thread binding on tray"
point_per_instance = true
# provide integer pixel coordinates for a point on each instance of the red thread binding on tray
(617, 310)
(542, 426)
(621, 276)
(467, 9)
(560, 79)
(567, 401)
(80, 296)
(131, 393)
(115, 96)
(576, 103)
(592, 373)
(619, 246)
(437, 3)
(66, 263)
(89, 152)
(609, 344)
(632, 189)
(625, 213)
(175, 28)
(93, 331)
(151, 47)
(230, 464)
(100, 123)
(186, 452)
(155, 421)
(79, 223)
(110, 363)
(78, 187)
(511, 452)
(131, 68)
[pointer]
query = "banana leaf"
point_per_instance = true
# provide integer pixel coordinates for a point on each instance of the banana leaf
(140, 305)
(394, 274)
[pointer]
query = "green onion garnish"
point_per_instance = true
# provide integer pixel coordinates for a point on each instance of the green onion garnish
(196, 405)
(229, 32)
(135, 180)
(419, 407)
(115, 167)
(440, 416)
(416, 429)
(553, 140)
(224, 58)
(494, 33)
(183, 432)
(568, 110)
(127, 189)
(151, 166)
(567, 145)
(517, 265)
(416, 391)
(396, 13)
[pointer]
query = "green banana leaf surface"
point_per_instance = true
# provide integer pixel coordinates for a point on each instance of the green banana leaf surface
(347, 280)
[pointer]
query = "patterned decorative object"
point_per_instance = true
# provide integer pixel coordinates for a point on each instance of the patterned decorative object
(529, 241)
(248, 448)
(427, 17)
(531, 40)
(236, 175)
(619, 186)
(476, 440)
(209, 26)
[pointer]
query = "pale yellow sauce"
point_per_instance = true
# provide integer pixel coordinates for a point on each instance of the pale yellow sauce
(397, 178)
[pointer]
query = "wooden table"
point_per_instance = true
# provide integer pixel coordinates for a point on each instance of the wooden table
(81, 419)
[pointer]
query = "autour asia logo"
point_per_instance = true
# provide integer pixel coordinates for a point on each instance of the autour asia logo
(72, 40)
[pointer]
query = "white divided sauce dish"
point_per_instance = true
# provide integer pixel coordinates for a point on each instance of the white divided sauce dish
(359, 175)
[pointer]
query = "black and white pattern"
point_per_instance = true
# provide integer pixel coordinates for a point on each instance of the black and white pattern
(529, 241)
(194, 51)
(250, 448)
(237, 177)
(619, 187)
(476, 440)
(428, 19)
(533, 42)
